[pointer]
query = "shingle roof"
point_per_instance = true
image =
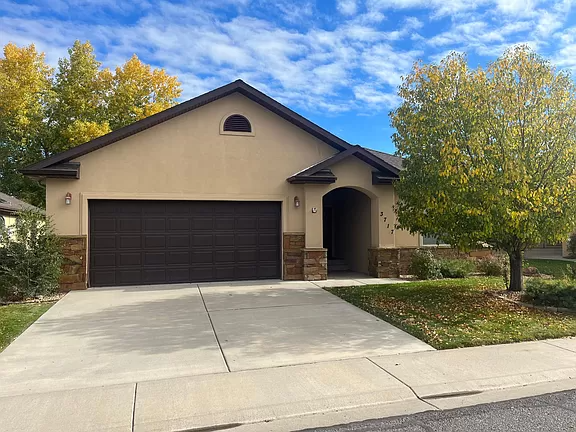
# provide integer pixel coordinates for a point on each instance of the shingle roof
(11, 204)
(395, 161)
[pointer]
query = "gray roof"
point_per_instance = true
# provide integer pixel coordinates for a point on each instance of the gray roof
(395, 161)
(11, 204)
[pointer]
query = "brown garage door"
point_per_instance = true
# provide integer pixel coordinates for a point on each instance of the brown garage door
(156, 242)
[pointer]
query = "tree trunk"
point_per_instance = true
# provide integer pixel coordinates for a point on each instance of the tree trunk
(515, 270)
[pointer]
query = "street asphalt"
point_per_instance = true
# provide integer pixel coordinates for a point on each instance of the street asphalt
(554, 412)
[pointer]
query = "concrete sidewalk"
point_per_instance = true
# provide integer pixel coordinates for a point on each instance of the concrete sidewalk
(293, 395)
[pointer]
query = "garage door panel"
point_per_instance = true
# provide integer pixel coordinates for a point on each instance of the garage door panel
(154, 241)
(224, 240)
(127, 259)
(266, 272)
(269, 255)
(202, 257)
(129, 241)
(246, 239)
(103, 278)
(246, 272)
(268, 223)
(203, 223)
(103, 225)
(267, 239)
(178, 258)
(225, 256)
(155, 224)
(179, 241)
(246, 223)
(247, 255)
(224, 273)
(103, 242)
(178, 275)
(103, 259)
(155, 258)
(202, 273)
(130, 224)
(129, 277)
(178, 224)
(148, 242)
(153, 275)
(199, 240)
(224, 224)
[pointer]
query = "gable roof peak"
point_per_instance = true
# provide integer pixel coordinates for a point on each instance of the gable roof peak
(236, 86)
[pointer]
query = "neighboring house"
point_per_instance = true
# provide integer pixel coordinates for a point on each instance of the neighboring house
(9, 208)
(230, 185)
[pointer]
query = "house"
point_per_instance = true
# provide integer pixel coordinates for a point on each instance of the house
(9, 208)
(230, 185)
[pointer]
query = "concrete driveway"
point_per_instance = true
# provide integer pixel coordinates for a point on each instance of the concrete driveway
(123, 335)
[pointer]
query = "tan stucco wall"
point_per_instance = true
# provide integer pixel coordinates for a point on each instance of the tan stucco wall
(188, 158)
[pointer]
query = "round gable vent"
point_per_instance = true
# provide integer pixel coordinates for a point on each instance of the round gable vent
(237, 123)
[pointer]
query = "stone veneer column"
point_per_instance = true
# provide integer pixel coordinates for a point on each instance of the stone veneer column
(384, 262)
(292, 261)
(315, 263)
(73, 275)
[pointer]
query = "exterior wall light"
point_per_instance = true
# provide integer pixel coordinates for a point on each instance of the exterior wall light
(68, 198)
(296, 202)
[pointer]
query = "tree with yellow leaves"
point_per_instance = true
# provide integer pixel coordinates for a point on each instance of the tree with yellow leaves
(43, 111)
(489, 154)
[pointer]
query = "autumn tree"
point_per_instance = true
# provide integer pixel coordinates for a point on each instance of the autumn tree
(44, 111)
(489, 154)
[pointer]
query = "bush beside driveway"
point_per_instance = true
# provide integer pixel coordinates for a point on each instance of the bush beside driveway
(454, 313)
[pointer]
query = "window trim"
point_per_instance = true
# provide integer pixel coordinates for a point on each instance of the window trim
(223, 132)
(441, 245)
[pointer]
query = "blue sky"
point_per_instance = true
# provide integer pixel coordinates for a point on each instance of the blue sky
(337, 62)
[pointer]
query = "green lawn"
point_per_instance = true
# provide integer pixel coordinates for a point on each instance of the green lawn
(453, 313)
(16, 318)
(556, 268)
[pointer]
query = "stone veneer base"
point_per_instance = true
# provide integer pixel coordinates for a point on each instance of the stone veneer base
(395, 262)
(292, 260)
(315, 263)
(73, 275)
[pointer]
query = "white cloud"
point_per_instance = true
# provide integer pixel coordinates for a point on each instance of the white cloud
(347, 7)
(374, 97)
(348, 61)
(386, 64)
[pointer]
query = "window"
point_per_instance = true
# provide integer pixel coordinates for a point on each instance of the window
(2, 222)
(432, 241)
(237, 123)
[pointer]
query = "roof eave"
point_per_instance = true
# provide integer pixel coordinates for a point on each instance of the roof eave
(69, 171)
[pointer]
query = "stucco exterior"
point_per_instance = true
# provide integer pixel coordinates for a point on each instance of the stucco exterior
(189, 157)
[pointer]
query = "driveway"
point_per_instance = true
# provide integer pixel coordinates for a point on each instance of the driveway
(122, 335)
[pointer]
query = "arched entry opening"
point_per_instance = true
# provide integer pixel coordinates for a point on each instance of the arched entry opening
(346, 230)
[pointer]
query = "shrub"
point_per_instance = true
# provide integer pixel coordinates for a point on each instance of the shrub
(425, 265)
(492, 265)
(551, 292)
(570, 271)
(571, 245)
(30, 257)
(456, 268)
